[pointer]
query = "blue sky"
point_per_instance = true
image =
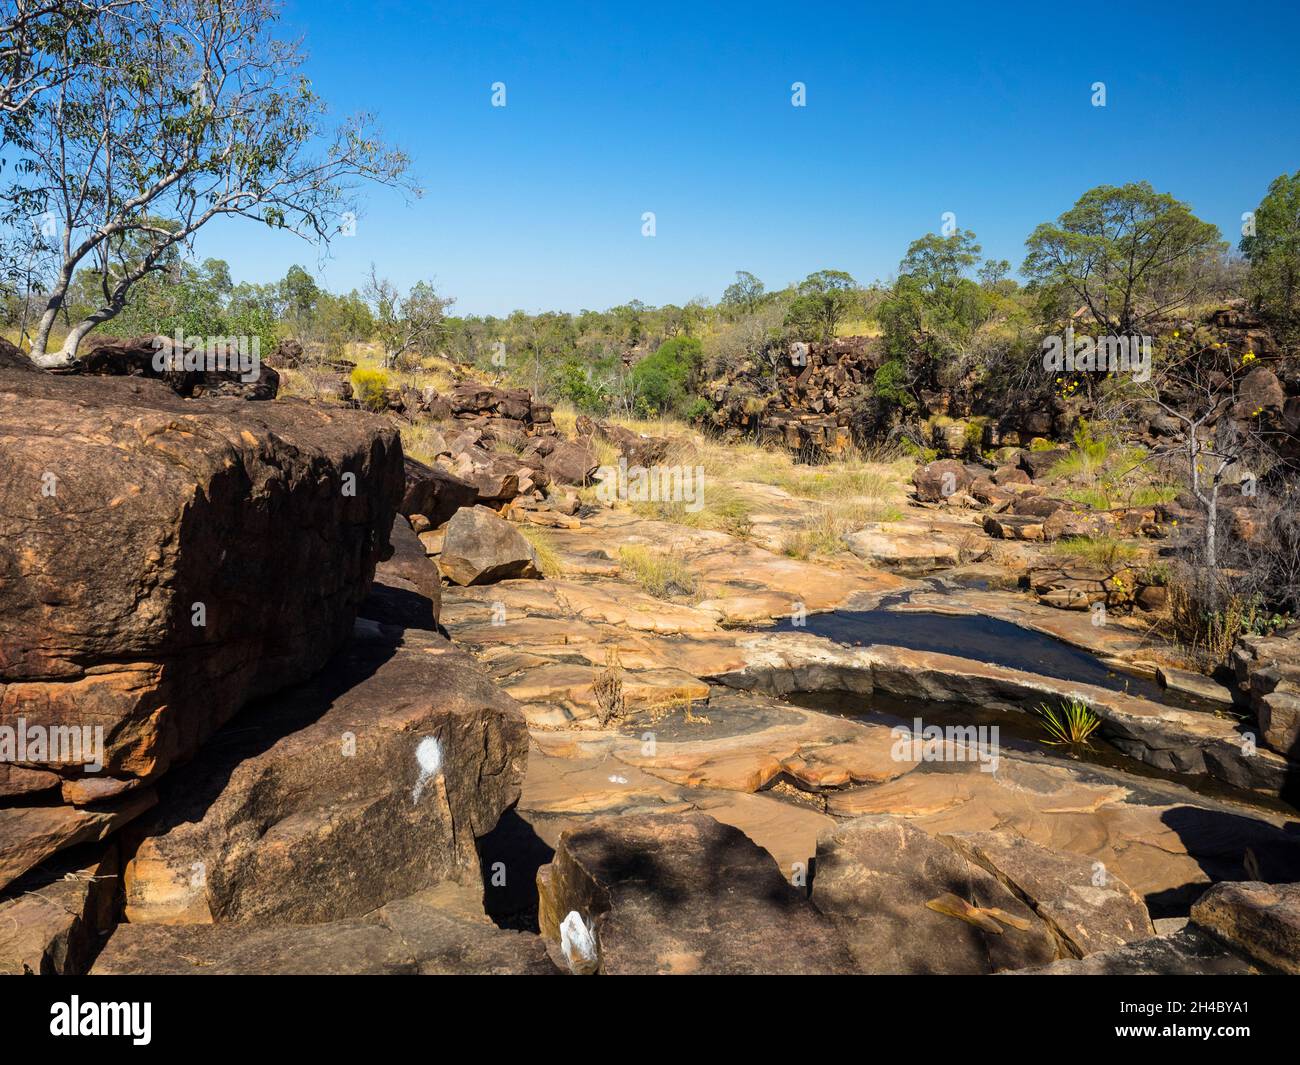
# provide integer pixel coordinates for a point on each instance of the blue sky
(684, 109)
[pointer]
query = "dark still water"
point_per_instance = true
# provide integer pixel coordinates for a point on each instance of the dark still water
(982, 639)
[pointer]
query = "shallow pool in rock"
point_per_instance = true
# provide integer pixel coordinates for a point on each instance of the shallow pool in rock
(1021, 733)
(981, 639)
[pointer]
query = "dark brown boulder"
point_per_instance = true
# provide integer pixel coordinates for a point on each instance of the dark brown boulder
(1010, 475)
(288, 352)
(1260, 394)
(163, 561)
(937, 481)
(907, 904)
(678, 894)
(188, 373)
(1035, 506)
(407, 590)
(1038, 463)
(434, 492)
(367, 783)
(1260, 920)
(571, 463)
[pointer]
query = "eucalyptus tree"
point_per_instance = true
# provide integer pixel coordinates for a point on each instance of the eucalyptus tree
(188, 111)
(405, 323)
(1127, 253)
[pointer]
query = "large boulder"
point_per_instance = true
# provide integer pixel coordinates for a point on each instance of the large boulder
(51, 919)
(481, 547)
(1259, 920)
(193, 372)
(1038, 463)
(1260, 394)
(678, 894)
(938, 481)
(366, 784)
(408, 586)
(434, 492)
(163, 561)
(571, 463)
(1085, 906)
(31, 833)
(907, 903)
(409, 936)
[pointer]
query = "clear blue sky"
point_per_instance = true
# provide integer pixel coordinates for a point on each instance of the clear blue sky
(684, 109)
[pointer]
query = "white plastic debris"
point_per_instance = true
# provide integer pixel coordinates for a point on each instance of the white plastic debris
(618, 778)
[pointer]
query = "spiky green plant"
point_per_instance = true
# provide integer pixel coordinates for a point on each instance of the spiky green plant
(1069, 725)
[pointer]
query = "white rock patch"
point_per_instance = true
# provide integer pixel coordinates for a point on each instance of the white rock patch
(428, 756)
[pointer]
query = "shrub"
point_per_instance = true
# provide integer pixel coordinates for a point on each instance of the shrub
(662, 380)
(370, 387)
(697, 409)
(660, 574)
(1069, 725)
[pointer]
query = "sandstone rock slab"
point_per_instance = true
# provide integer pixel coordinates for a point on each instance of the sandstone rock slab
(682, 894)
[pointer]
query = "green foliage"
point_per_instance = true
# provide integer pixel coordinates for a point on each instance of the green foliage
(1273, 252)
(1070, 725)
(662, 380)
(822, 301)
(696, 409)
(891, 383)
(1128, 253)
(932, 312)
(743, 295)
(573, 381)
(194, 299)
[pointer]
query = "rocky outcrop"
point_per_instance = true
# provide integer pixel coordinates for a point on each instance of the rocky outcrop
(31, 833)
(1261, 921)
(410, 936)
(1189, 952)
(1268, 673)
(1168, 738)
(50, 919)
(802, 398)
(163, 561)
(678, 894)
(1085, 906)
(482, 548)
(366, 784)
(907, 904)
(222, 371)
(407, 590)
